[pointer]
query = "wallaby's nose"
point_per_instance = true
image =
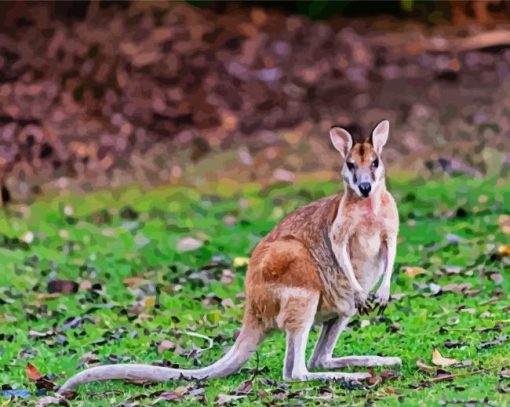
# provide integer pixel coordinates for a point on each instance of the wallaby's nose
(365, 188)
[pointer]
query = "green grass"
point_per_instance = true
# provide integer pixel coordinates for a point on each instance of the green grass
(107, 237)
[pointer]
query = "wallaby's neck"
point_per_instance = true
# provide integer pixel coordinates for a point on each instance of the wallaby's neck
(371, 204)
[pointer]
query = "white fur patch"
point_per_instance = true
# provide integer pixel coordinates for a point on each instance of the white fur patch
(285, 292)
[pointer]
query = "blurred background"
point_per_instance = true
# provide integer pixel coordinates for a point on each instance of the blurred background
(98, 94)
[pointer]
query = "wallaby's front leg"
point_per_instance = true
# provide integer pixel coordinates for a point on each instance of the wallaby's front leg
(344, 261)
(382, 295)
(322, 356)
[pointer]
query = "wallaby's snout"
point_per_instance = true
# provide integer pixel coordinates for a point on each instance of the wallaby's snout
(364, 188)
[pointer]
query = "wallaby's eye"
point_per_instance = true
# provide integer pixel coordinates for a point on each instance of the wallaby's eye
(350, 165)
(375, 163)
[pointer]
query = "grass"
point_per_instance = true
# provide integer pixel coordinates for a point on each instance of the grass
(451, 227)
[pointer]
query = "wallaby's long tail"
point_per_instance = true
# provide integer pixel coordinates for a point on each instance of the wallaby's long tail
(246, 343)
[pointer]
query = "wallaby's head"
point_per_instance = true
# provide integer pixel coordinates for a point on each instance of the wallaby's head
(363, 169)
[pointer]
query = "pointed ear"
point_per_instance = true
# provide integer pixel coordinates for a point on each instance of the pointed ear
(341, 139)
(380, 135)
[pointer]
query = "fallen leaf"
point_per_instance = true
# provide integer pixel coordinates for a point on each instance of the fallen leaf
(452, 269)
(453, 344)
(504, 250)
(227, 303)
(165, 345)
(170, 396)
(62, 286)
(38, 335)
(28, 237)
(439, 360)
(89, 358)
(50, 401)
(464, 363)
(41, 382)
(423, 367)
(504, 222)
(245, 387)
(497, 278)
(85, 285)
(502, 388)
(149, 302)
(374, 380)
(497, 341)
(188, 244)
(136, 281)
(222, 399)
(431, 288)
(33, 373)
(389, 375)
(241, 261)
(452, 238)
(456, 288)
(414, 271)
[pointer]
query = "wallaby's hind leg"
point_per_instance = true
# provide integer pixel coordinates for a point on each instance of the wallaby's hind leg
(296, 318)
(322, 356)
(328, 337)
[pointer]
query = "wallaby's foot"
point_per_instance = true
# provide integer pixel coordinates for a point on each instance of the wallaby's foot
(306, 376)
(366, 361)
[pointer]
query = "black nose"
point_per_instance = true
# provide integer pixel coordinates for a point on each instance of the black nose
(365, 188)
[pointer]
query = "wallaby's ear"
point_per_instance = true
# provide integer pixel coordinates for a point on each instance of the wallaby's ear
(341, 139)
(380, 135)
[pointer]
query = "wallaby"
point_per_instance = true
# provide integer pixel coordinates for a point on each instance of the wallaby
(317, 265)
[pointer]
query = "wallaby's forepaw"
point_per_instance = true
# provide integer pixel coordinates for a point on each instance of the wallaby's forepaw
(362, 303)
(380, 300)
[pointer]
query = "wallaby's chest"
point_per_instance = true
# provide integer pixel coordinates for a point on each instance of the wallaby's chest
(365, 244)
(366, 257)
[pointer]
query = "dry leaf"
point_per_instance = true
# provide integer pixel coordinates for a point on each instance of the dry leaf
(414, 271)
(245, 387)
(223, 399)
(504, 250)
(33, 373)
(188, 244)
(58, 400)
(423, 367)
(504, 222)
(241, 261)
(165, 345)
(441, 361)
(149, 302)
(227, 303)
(136, 281)
(456, 288)
(89, 358)
(85, 285)
(62, 286)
